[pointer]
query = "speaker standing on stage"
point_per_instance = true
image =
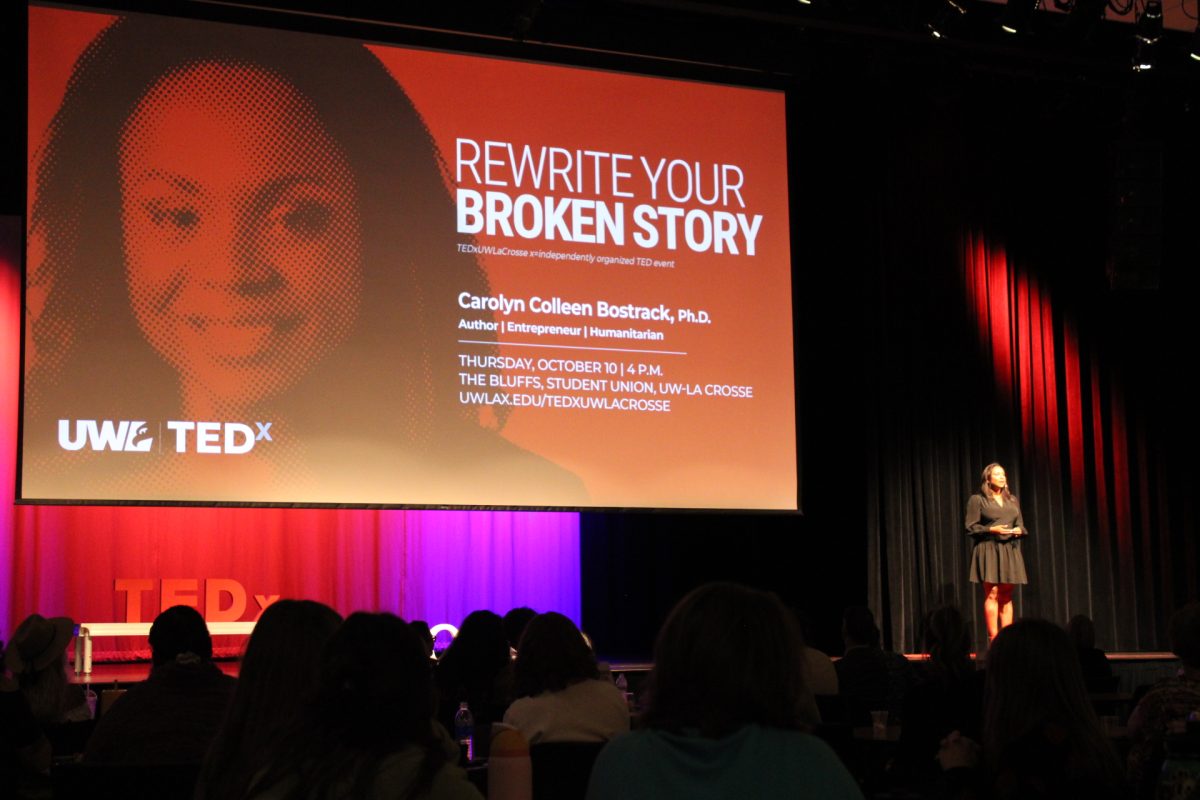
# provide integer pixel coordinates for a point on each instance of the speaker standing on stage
(994, 522)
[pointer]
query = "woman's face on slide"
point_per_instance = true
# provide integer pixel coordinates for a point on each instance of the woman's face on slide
(240, 231)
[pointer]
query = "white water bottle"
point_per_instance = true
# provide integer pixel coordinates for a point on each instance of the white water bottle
(464, 731)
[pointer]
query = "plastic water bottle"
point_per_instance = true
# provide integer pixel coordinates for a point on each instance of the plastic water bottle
(464, 732)
(622, 684)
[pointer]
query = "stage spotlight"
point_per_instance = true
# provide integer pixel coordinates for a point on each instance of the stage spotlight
(946, 19)
(1017, 15)
(1150, 23)
(1145, 59)
(1147, 33)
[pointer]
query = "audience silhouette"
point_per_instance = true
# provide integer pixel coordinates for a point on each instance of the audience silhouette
(1167, 704)
(24, 749)
(728, 710)
(514, 625)
(368, 730)
(329, 708)
(37, 656)
(279, 671)
(1041, 737)
(947, 697)
(1097, 672)
(172, 716)
(476, 669)
(561, 697)
(869, 677)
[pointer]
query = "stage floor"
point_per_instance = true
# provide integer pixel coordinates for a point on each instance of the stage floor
(135, 672)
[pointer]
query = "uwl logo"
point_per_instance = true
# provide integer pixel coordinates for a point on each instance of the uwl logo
(124, 435)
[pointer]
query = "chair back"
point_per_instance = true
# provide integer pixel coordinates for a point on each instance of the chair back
(105, 781)
(834, 709)
(561, 770)
(107, 698)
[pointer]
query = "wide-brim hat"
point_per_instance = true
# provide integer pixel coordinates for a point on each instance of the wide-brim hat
(38, 642)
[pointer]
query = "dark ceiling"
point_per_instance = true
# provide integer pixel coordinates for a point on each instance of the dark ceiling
(784, 43)
(770, 35)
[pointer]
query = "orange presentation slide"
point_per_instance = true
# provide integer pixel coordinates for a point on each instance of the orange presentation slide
(274, 267)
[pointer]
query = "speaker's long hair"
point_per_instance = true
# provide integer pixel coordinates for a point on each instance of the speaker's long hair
(985, 486)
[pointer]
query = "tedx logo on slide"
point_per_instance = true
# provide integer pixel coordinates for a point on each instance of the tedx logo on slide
(133, 436)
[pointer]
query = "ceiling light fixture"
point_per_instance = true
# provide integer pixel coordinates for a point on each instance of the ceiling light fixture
(1150, 22)
(946, 19)
(1145, 59)
(1017, 15)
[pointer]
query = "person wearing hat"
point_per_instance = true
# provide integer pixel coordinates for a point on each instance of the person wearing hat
(36, 655)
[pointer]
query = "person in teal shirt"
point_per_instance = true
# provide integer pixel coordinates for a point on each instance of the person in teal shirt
(728, 710)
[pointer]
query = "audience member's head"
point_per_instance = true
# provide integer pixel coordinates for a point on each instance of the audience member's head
(278, 672)
(515, 622)
(1184, 630)
(177, 631)
(859, 628)
(948, 640)
(282, 660)
(477, 654)
(421, 628)
(374, 683)
(38, 643)
(374, 698)
(36, 654)
(1082, 632)
(727, 656)
(803, 623)
(552, 656)
(1033, 681)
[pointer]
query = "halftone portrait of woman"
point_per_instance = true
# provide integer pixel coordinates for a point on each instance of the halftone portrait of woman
(238, 225)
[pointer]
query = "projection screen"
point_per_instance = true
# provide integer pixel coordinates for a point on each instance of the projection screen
(275, 267)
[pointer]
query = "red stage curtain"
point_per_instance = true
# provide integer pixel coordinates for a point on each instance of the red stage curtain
(1093, 484)
(1044, 387)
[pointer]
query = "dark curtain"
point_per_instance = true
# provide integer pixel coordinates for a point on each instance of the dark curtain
(1000, 338)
